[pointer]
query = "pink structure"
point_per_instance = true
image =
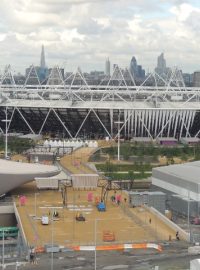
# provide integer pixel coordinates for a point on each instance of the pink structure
(22, 200)
(90, 197)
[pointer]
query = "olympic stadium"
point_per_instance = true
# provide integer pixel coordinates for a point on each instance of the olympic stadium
(158, 107)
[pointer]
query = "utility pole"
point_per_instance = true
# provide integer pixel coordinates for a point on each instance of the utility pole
(118, 135)
(6, 120)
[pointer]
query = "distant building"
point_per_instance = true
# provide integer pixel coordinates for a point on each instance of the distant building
(32, 75)
(141, 72)
(94, 77)
(107, 67)
(196, 79)
(43, 70)
(37, 73)
(134, 67)
(56, 75)
(42, 59)
(136, 70)
(19, 78)
(181, 184)
(188, 79)
(114, 66)
(161, 65)
(117, 73)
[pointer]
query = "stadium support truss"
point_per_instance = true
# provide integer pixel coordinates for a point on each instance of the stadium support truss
(158, 107)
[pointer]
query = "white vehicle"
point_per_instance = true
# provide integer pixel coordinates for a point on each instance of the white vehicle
(45, 220)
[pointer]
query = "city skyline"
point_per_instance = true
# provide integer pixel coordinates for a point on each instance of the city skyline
(102, 29)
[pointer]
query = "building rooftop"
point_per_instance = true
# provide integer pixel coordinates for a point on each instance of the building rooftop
(146, 193)
(13, 167)
(187, 172)
(167, 139)
(190, 139)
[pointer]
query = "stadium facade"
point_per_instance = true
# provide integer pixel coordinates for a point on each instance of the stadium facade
(158, 107)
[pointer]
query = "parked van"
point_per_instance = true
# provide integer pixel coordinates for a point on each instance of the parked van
(45, 220)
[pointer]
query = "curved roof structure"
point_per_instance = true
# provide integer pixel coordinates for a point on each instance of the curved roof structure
(14, 174)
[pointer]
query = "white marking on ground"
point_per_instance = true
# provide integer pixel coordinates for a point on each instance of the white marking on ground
(81, 259)
(74, 268)
(113, 267)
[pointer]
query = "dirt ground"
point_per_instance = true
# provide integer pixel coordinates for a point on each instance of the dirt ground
(127, 224)
(75, 162)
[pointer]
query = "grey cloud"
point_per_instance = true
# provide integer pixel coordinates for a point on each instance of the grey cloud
(193, 22)
(114, 38)
(91, 27)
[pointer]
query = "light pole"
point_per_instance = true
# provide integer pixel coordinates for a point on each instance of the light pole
(118, 134)
(52, 228)
(3, 251)
(95, 243)
(52, 233)
(6, 139)
(189, 227)
(36, 194)
(63, 135)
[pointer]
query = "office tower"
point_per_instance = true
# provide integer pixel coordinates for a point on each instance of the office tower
(141, 72)
(107, 67)
(188, 79)
(134, 67)
(161, 64)
(42, 59)
(136, 70)
(196, 79)
(43, 71)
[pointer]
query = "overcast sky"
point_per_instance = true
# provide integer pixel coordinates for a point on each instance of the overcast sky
(84, 32)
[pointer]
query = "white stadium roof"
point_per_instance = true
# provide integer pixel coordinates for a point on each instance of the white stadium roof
(13, 174)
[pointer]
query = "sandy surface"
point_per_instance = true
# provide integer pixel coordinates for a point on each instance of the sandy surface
(76, 162)
(67, 231)
(128, 224)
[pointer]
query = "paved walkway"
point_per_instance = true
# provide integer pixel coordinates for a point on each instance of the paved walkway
(76, 162)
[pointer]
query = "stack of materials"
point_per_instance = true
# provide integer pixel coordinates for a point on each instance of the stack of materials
(108, 236)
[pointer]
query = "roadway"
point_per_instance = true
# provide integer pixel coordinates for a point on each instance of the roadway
(174, 256)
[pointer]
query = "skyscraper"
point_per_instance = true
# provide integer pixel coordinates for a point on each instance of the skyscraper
(136, 70)
(161, 64)
(196, 79)
(134, 67)
(107, 67)
(43, 71)
(42, 58)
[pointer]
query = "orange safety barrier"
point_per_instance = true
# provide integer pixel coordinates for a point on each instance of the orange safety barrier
(118, 247)
(112, 247)
(139, 246)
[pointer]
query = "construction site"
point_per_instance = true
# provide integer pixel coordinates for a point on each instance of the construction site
(74, 216)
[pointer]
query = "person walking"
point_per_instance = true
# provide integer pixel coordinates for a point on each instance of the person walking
(149, 220)
(177, 236)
